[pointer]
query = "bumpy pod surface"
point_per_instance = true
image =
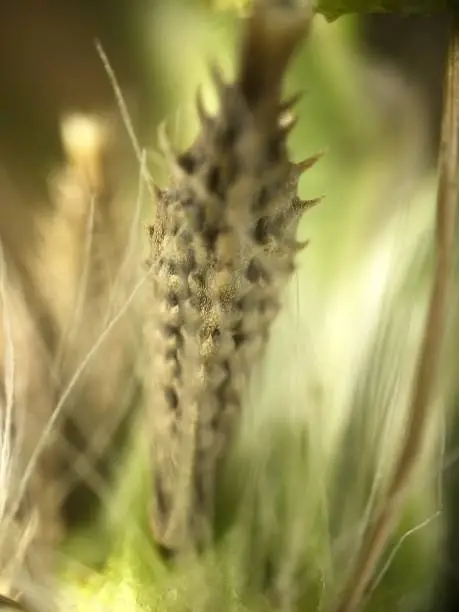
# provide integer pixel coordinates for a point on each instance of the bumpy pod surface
(222, 249)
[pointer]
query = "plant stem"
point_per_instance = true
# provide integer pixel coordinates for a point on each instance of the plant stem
(381, 527)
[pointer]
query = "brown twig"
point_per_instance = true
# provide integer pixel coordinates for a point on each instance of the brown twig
(380, 529)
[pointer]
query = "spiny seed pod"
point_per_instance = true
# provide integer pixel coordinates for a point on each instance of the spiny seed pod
(222, 249)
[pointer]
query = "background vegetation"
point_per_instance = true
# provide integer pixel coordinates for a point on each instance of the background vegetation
(325, 413)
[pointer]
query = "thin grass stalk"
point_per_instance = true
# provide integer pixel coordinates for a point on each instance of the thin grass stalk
(381, 527)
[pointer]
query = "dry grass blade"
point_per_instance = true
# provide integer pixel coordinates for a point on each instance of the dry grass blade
(125, 116)
(379, 529)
